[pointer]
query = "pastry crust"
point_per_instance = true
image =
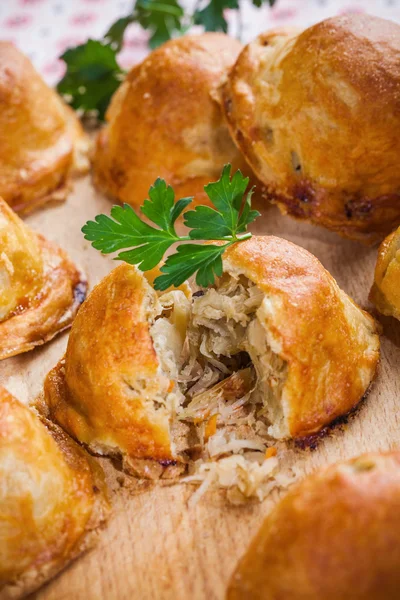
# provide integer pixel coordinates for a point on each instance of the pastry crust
(385, 292)
(52, 499)
(109, 393)
(117, 392)
(165, 121)
(41, 138)
(329, 345)
(335, 535)
(316, 115)
(41, 289)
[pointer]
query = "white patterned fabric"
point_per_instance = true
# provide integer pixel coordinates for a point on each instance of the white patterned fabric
(43, 29)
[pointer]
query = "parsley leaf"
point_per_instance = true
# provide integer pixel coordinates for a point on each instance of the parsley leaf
(212, 15)
(115, 34)
(125, 229)
(92, 77)
(248, 215)
(259, 3)
(160, 209)
(145, 245)
(188, 259)
(206, 223)
(229, 218)
(226, 194)
(162, 18)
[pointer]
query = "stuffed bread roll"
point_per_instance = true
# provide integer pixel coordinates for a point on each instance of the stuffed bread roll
(52, 499)
(42, 141)
(40, 287)
(316, 114)
(165, 121)
(335, 535)
(274, 344)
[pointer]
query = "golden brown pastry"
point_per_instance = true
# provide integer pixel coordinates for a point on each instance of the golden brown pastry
(41, 138)
(40, 288)
(385, 292)
(165, 121)
(316, 115)
(275, 334)
(334, 536)
(111, 393)
(52, 499)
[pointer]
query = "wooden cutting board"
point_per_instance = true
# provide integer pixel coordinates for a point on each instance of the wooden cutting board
(155, 547)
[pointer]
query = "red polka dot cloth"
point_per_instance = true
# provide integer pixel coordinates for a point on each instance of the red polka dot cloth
(43, 29)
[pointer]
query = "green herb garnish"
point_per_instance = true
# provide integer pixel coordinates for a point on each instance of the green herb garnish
(145, 245)
(93, 73)
(92, 77)
(164, 20)
(212, 16)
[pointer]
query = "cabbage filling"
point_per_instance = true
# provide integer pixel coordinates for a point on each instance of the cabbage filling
(228, 382)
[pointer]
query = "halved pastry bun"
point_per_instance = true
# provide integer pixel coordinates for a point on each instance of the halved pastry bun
(385, 292)
(52, 499)
(40, 288)
(165, 121)
(329, 346)
(316, 115)
(275, 334)
(336, 535)
(42, 141)
(110, 392)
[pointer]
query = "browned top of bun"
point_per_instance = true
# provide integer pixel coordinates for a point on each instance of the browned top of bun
(329, 345)
(38, 134)
(316, 115)
(164, 121)
(334, 536)
(363, 48)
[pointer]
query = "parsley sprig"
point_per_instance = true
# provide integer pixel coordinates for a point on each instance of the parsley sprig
(92, 77)
(93, 73)
(144, 245)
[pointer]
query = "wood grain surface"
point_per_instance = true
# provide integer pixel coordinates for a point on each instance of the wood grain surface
(155, 547)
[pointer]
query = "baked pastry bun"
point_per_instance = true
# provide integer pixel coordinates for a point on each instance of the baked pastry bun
(316, 115)
(335, 535)
(385, 292)
(40, 288)
(52, 499)
(165, 121)
(275, 333)
(42, 140)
